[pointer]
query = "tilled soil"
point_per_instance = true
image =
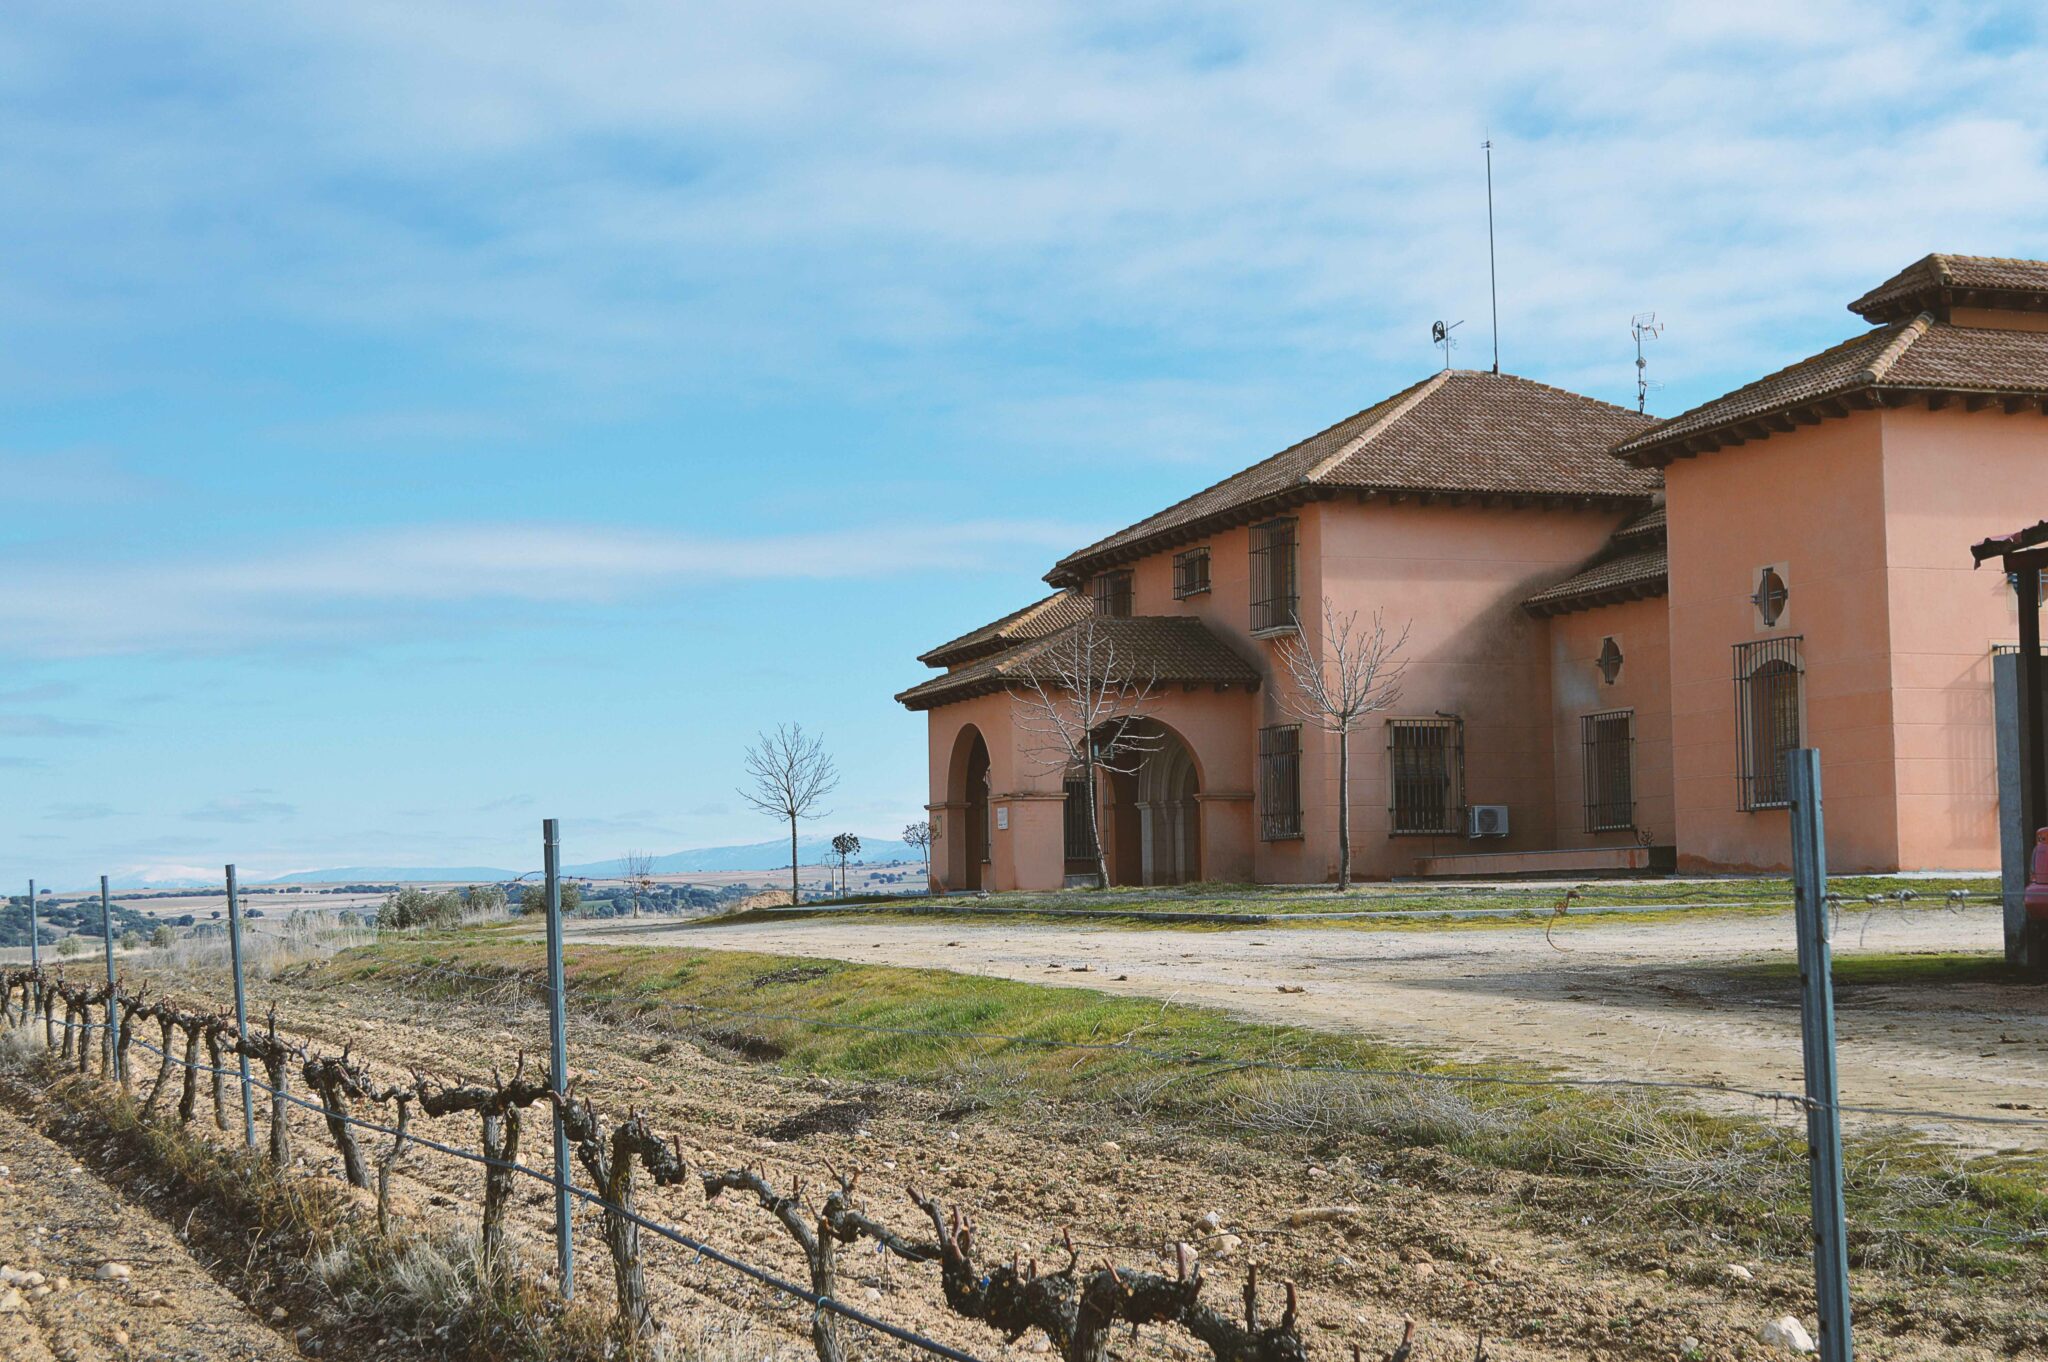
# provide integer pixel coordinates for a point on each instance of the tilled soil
(61, 1221)
(1599, 999)
(1370, 1239)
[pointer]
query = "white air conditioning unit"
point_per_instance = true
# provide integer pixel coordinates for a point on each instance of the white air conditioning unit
(1486, 820)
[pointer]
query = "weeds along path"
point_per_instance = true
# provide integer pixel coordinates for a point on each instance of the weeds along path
(61, 1221)
(1690, 997)
(1370, 1239)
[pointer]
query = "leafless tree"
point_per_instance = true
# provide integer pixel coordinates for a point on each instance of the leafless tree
(1080, 698)
(918, 835)
(844, 845)
(790, 775)
(638, 869)
(1356, 673)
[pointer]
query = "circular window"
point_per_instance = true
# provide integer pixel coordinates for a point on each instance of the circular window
(1770, 597)
(1610, 659)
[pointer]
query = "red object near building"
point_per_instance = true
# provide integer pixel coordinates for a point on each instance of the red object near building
(2037, 882)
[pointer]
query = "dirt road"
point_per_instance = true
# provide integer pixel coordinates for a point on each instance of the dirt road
(58, 1220)
(1670, 999)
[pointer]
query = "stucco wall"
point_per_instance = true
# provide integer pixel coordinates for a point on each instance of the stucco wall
(1812, 501)
(1951, 478)
(1643, 686)
(1456, 576)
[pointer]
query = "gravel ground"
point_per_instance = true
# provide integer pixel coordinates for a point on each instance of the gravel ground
(61, 1221)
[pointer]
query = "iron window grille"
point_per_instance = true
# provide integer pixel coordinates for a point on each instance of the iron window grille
(1280, 783)
(1276, 577)
(1190, 573)
(1426, 774)
(1770, 597)
(1113, 595)
(1080, 829)
(1609, 661)
(1609, 743)
(1769, 680)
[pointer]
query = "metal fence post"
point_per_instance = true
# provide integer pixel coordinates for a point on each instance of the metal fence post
(241, 1010)
(35, 946)
(1817, 1037)
(113, 1004)
(558, 1040)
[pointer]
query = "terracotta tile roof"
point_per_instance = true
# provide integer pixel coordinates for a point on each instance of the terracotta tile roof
(1457, 433)
(1033, 621)
(1166, 649)
(1920, 358)
(1940, 281)
(1634, 565)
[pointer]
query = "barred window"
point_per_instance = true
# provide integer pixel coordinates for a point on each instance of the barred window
(1426, 774)
(1769, 678)
(1113, 595)
(1276, 579)
(1080, 829)
(1190, 573)
(1280, 782)
(1609, 741)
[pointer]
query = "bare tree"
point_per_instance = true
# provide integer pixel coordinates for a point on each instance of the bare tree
(637, 868)
(918, 836)
(1357, 672)
(1080, 698)
(791, 775)
(845, 845)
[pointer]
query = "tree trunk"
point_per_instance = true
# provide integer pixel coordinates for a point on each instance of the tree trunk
(622, 1237)
(825, 1281)
(1095, 820)
(1343, 809)
(501, 1142)
(795, 889)
(280, 1109)
(188, 1100)
(164, 1026)
(220, 1078)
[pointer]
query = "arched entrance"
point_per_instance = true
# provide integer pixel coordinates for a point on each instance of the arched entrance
(967, 790)
(1154, 825)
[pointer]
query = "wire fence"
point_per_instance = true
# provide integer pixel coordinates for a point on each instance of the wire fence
(1060, 1303)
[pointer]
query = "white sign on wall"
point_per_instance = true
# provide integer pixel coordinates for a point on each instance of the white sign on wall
(1002, 818)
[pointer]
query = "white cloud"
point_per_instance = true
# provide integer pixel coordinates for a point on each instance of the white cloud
(375, 585)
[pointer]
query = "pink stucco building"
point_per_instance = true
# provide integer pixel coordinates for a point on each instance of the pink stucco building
(1617, 626)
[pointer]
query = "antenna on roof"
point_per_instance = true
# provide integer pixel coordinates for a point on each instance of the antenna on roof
(1440, 334)
(1492, 276)
(1644, 326)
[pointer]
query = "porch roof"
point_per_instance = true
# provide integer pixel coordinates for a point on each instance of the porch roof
(1634, 565)
(1461, 434)
(1163, 649)
(1035, 620)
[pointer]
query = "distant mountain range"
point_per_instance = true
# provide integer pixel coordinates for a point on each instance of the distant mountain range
(771, 855)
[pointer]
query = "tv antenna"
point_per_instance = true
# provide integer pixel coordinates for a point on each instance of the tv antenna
(1644, 327)
(1492, 276)
(1440, 334)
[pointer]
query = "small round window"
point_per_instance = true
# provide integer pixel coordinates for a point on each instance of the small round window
(1610, 659)
(1770, 597)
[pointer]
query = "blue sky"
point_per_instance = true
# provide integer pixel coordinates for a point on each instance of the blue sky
(421, 418)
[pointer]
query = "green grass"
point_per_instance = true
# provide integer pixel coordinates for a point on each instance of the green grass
(1388, 905)
(1642, 1158)
(1933, 969)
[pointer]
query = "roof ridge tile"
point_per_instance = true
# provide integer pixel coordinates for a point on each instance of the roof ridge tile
(1878, 367)
(1417, 395)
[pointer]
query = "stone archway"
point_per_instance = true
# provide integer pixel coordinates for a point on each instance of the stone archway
(967, 838)
(1154, 823)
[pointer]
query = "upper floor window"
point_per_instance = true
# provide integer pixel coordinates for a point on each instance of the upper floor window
(1280, 782)
(1190, 573)
(1609, 661)
(1276, 576)
(1609, 741)
(1113, 594)
(1426, 774)
(1770, 596)
(1769, 684)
